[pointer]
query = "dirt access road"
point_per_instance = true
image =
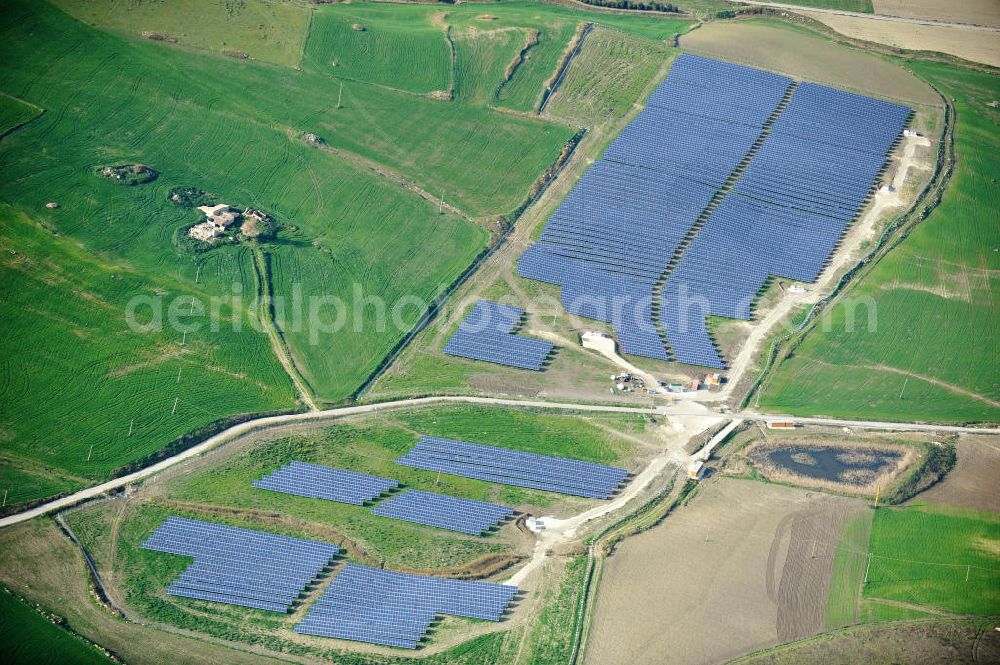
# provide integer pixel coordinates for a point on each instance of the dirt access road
(914, 20)
(236, 432)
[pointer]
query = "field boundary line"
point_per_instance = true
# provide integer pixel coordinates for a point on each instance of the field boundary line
(394, 176)
(39, 112)
(751, 657)
(914, 606)
(279, 345)
(562, 68)
(305, 39)
(95, 577)
(592, 581)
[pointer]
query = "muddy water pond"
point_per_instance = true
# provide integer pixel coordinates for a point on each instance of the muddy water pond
(836, 464)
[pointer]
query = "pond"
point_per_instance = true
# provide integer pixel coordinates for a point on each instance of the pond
(853, 466)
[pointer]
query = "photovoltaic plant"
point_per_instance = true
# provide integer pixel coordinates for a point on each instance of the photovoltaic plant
(367, 604)
(487, 333)
(324, 482)
(445, 512)
(728, 175)
(514, 467)
(785, 214)
(240, 566)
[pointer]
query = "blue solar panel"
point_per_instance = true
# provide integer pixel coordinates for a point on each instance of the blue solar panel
(446, 512)
(367, 604)
(488, 333)
(610, 244)
(786, 214)
(324, 482)
(515, 467)
(613, 237)
(240, 566)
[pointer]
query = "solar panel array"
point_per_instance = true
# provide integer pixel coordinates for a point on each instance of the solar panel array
(785, 215)
(514, 467)
(612, 238)
(800, 180)
(367, 604)
(445, 512)
(487, 333)
(240, 566)
(324, 482)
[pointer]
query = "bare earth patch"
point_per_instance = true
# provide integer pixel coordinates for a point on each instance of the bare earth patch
(744, 566)
(969, 43)
(914, 643)
(973, 482)
(974, 12)
(801, 55)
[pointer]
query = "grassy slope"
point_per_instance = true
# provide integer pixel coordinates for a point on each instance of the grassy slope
(265, 30)
(933, 295)
(524, 91)
(848, 571)
(14, 112)
(63, 312)
(424, 50)
(400, 46)
(28, 637)
(480, 60)
(607, 77)
(936, 556)
(440, 145)
(874, 612)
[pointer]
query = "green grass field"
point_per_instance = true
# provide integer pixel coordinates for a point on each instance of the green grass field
(524, 91)
(14, 112)
(607, 77)
(263, 29)
(480, 60)
(404, 46)
(936, 556)
(400, 46)
(928, 351)
(69, 425)
(848, 571)
(28, 637)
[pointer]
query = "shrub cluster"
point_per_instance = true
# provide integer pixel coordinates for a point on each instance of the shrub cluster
(640, 5)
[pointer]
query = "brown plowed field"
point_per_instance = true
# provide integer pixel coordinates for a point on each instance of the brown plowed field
(745, 565)
(976, 12)
(795, 52)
